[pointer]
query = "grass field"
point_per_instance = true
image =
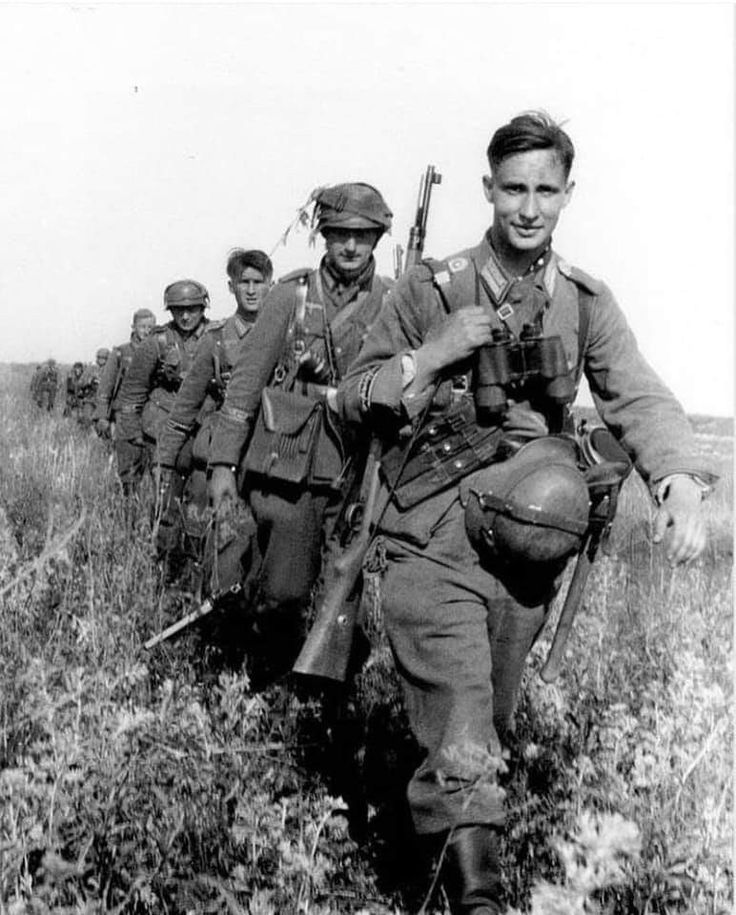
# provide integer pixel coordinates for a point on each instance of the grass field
(154, 782)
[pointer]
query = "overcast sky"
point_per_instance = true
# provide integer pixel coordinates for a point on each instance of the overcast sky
(140, 142)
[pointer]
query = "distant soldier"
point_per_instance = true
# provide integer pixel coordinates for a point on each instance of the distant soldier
(183, 446)
(89, 384)
(73, 390)
(156, 372)
(312, 327)
(115, 369)
(44, 384)
(34, 384)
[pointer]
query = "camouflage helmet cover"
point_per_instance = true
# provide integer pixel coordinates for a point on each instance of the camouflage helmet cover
(186, 294)
(352, 206)
(532, 508)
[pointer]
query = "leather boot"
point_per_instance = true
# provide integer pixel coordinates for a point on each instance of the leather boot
(471, 873)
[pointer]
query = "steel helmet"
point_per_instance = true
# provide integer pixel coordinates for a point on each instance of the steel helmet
(186, 294)
(533, 507)
(352, 206)
(102, 351)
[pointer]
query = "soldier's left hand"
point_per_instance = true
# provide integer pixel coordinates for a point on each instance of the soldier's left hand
(680, 519)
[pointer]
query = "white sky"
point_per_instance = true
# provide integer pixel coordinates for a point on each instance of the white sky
(140, 142)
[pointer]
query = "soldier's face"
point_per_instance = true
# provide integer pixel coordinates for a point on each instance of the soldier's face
(349, 250)
(142, 327)
(528, 191)
(249, 290)
(187, 317)
(100, 360)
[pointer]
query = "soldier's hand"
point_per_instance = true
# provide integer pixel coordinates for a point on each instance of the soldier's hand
(458, 337)
(680, 521)
(222, 490)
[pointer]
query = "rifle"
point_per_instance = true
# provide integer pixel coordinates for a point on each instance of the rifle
(418, 231)
(326, 650)
(226, 578)
(604, 483)
(204, 609)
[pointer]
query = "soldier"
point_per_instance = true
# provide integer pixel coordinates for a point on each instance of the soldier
(156, 371)
(73, 389)
(312, 326)
(45, 384)
(115, 368)
(184, 443)
(34, 382)
(88, 385)
(462, 615)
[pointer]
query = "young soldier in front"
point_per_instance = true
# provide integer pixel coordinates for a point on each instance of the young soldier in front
(312, 326)
(462, 617)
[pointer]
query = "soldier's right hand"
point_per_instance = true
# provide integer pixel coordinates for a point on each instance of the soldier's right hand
(455, 339)
(222, 490)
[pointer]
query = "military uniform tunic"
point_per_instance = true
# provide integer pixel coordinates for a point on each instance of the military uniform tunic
(203, 390)
(156, 372)
(291, 519)
(460, 637)
(111, 379)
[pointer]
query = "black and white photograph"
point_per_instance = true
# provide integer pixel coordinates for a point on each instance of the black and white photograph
(366, 458)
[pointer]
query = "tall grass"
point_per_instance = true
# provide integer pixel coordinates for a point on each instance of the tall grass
(162, 782)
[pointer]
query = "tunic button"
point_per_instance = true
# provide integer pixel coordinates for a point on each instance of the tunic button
(432, 430)
(338, 350)
(457, 465)
(447, 447)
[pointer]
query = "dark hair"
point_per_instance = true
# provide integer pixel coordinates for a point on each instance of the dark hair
(238, 259)
(530, 130)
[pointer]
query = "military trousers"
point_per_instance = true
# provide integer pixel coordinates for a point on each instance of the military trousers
(134, 460)
(293, 524)
(460, 634)
(45, 399)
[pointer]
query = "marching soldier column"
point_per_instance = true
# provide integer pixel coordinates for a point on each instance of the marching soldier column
(460, 379)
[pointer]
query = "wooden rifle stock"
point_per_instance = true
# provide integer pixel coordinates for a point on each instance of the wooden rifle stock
(326, 651)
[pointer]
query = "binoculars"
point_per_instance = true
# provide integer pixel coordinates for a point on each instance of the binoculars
(533, 360)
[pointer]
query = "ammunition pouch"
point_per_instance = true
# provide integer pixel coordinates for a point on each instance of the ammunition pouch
(445, 450)
(294, 440)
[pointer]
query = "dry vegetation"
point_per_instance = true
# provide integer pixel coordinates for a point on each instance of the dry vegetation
(162, 783)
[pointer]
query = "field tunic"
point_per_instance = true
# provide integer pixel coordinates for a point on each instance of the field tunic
(270, 344)
(111, 380)
(203, 390)
(460, 640)
(156, 372)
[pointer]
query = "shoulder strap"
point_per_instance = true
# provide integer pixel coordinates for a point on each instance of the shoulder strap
(585, 306)
(455, 280)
